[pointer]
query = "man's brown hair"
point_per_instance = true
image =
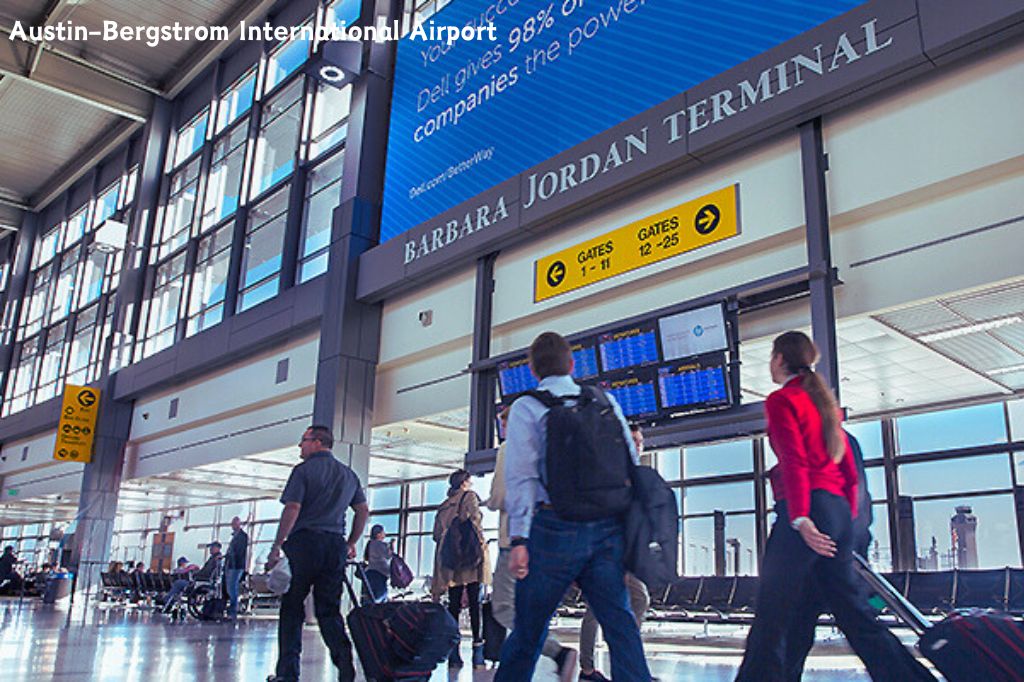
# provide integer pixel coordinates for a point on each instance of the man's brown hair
(550, 355)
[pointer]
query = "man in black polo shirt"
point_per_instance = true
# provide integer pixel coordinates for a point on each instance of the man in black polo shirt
(316, 498)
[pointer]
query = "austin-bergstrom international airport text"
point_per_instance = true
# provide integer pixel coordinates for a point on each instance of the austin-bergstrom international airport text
(153, 36)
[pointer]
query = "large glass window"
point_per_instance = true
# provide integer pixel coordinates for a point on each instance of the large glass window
(948, 429)
(93, 271)
(53, 355)
(84, 351)
(35, 306)
(206, 304)
(106, 204)
(971, 532)
(699, 499)
(718, 459)
(236, 101)
(225, 183)
(323, 194)
(278, 137)
(261, 261)
(191, 137)
(285, 59)
(63, 297)
(669, 464)
(23, 376)
(47, 246)
(75, 227)
(181, 204)
(331, 108)
(986, 472)
(163, 306)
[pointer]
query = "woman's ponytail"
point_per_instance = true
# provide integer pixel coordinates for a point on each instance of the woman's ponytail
(798, 354)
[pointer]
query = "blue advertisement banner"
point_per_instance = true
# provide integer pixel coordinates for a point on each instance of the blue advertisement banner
(470, 115)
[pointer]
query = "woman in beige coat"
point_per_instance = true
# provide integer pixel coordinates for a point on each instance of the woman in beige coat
(463, 504)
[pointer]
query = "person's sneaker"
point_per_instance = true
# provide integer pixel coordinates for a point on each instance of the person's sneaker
(595, 676)
(478, 656)
(566, 661)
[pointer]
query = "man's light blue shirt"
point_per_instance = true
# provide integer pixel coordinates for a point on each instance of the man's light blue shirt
(525, 445)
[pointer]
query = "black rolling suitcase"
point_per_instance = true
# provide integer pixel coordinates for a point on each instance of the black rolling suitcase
(965, 646)
(400, 640)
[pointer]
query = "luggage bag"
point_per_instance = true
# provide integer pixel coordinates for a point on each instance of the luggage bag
(494, 633)
(400, 640)
(969, 645)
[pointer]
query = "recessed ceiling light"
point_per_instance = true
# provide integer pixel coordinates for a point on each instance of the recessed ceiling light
(970, 329)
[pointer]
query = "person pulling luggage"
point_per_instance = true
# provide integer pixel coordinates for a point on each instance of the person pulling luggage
(318, 494)
(567, 472)
(810, 543)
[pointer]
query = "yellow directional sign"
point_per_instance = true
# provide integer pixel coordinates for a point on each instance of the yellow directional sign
(77, 427)
(706, 220)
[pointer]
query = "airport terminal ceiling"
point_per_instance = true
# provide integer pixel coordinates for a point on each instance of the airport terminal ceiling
(929, 297)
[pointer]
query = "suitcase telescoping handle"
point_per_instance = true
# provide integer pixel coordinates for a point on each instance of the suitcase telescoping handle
(899, 604)
(361, 570)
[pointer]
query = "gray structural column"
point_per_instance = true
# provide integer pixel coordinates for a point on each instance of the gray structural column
(819, 250)
(101, 486)
(101, 479)
(16, 293)
(481, 390)
(350, 330)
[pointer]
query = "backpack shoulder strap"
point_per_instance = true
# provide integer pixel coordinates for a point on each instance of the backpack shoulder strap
(546, 398)
(596, 394)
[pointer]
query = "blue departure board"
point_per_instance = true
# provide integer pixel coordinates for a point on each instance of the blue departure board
(584, 357)
(692, 384)
(514, 377)
(628, 348)
(635, 395)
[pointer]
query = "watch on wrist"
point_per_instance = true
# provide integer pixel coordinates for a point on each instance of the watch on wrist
(517, 542)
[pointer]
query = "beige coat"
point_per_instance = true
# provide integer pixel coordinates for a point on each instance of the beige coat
(446, 513)
(496, 502)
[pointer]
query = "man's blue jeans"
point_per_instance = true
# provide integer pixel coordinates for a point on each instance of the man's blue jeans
(232, 577)
(563, 552)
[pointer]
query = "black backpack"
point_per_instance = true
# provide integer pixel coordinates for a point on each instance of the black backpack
(460, 548)
(588, 470)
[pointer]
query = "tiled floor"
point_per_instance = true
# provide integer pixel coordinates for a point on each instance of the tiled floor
(40, 643)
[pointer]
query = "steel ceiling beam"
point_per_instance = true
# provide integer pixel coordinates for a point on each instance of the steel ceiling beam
(74, 78)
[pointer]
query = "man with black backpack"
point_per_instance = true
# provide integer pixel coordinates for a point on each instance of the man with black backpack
(568, 465)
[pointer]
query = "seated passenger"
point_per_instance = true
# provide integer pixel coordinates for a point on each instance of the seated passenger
(136, 578)
(10, 581)
(207, 573)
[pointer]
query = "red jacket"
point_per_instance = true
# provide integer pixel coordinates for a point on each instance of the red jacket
(794, 430)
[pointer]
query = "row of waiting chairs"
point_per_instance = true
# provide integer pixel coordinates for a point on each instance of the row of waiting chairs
(731, 598)
(118, 586)
(721, 598)
(938, 592)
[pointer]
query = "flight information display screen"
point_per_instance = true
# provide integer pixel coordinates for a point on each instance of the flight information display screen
(584, 356)
(633, 347)
(514, 377)
(666, 365)
(698, 382)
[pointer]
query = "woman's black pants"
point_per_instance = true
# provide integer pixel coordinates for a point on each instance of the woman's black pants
(791, 573)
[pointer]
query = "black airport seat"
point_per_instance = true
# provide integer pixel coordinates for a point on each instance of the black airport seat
(985, 589)
(898, 580)
(716, 593)
(1015, 592)
(931, 592)
(744, 596)
(683, 593)
(107, 580)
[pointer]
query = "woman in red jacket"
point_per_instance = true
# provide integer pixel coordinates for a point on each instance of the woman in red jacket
(809, 546)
